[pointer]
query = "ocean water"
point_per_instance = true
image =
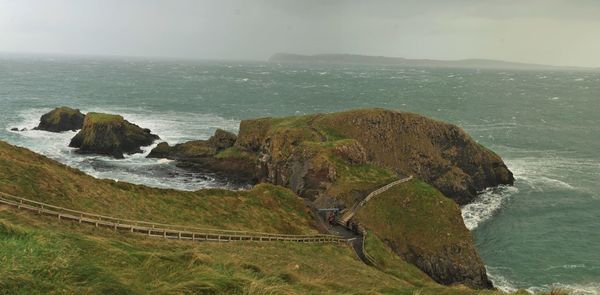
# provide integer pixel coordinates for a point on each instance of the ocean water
(542, 233)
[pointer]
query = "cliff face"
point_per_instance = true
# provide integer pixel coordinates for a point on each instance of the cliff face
(336, 159)
(61, 119)
(425, 228)
(409, 144)
(440, 153)
(111, 135)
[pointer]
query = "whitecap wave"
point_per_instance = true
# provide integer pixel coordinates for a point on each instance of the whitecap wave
(499, 281)
(573, 289)
(547, 173)
(173, 127)
(485, 205)
(506, 285)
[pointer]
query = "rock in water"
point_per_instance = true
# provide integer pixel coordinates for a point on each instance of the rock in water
(111, 135)
(61, 119)
(14, 129)
(216, 154)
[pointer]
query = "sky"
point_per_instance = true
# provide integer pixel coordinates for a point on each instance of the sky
(555, 32)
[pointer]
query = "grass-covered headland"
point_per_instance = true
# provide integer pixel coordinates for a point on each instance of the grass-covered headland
(411, 227)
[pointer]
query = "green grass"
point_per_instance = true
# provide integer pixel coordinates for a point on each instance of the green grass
(235, 153)
(103, 118)
(402, 215)
(41, 256)
(28, 175)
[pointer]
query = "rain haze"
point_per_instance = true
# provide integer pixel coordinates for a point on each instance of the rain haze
(545, 32)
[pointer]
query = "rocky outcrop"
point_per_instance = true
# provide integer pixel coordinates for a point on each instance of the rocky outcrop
(61, 119)
(216, 155)
(111, 135)
(409, 144)
(440, 153)
(222, 139)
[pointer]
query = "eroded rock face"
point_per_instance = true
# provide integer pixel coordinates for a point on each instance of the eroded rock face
(111, 135)
(61, 119)
(440, 153)
(222, 139)
(213, 155)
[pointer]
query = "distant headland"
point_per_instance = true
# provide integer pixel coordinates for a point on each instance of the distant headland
(399, 61)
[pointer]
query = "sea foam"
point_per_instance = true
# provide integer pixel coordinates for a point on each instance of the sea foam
(173, 127)
(485, 205)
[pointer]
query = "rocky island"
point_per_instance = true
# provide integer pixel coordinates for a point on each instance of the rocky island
(111, 135)
(61, 119)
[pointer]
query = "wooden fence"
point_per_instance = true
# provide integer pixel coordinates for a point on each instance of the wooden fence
(348, 214)
(167, 231)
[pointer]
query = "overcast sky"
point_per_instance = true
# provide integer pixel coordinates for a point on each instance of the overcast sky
(538, 31)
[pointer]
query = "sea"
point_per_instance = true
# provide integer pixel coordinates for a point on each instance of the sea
(541, 233)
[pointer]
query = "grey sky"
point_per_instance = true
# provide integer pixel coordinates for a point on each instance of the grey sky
(538, 31)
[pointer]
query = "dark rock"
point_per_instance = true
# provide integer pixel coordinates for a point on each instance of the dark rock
(184, 151)
(111, 135)
(222, 139)
(23, 129)
(61, 119)
(14, 129)
(216, 155)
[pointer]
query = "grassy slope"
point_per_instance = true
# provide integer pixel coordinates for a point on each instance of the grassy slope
(39, 254)
(265, 208)
(42, 255)
(403, 215)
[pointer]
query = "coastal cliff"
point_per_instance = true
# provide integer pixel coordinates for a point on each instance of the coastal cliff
(335, 160)
(442, 154)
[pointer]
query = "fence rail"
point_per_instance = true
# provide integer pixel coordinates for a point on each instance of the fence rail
(153, 229)
(348, 214)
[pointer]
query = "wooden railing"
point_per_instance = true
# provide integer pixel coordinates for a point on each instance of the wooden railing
(154, 229)
(364, 234)
(348, 214)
